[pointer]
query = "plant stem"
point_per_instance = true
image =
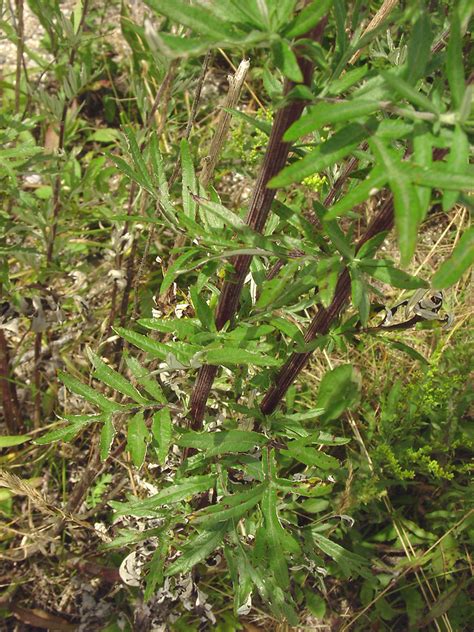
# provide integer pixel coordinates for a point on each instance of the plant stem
(7, 388)
(350, 165)
(62, 132)
(180, 238)
(37, 381)
(321, 323)
(162, 97)
(19, 52)
(275, 158)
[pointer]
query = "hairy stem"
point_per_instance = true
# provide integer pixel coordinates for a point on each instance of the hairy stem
(7, 388)
(275, 158)
(321, 323)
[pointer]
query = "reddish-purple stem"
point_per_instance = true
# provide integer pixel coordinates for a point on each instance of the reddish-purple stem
(275, 158)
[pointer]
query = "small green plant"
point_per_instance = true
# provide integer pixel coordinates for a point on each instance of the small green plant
(205, 401)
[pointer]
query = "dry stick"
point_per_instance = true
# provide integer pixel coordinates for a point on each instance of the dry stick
(262, 198)
(378, 18)
(209, 162)
(324, 318)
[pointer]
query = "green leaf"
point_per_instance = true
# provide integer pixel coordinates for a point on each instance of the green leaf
(327, 113)
(198, 549)
(183, 490)
(224, 441)
(189, 180)
(423, 156)
(315, 604)
(370, 247)
(8, 441)
(155, 575)
(68, 432)
(400, 346)
(307, 18)
(439, 178)
(338, 238)
(407, 91)
(143, 377)
(88, 393)
(461, 259)
(454, 61)
(202, 309)
(286, 61)
(137, 439)
(173, 46)
(394, 129)
(174, 269)
(441, 605)
(105, 135)
(324, 438)
(405, 199)
(274, 535)
(375, 181)
(153, 347)
(107, 435)
(232, 356)
(338, 391)
(196, 18)
(338, 86)
(327, 276)
(311, 456)
(260, 124)
(419, 48)
(458, 161)
(136, 154)
(115, 380)
(182, 327)
(231, 507)
(360, 295)
(161, 182)
(341, 144)
(350, 563)
(162, 431)
(250, 12)
(223, 214)
(383, 270)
